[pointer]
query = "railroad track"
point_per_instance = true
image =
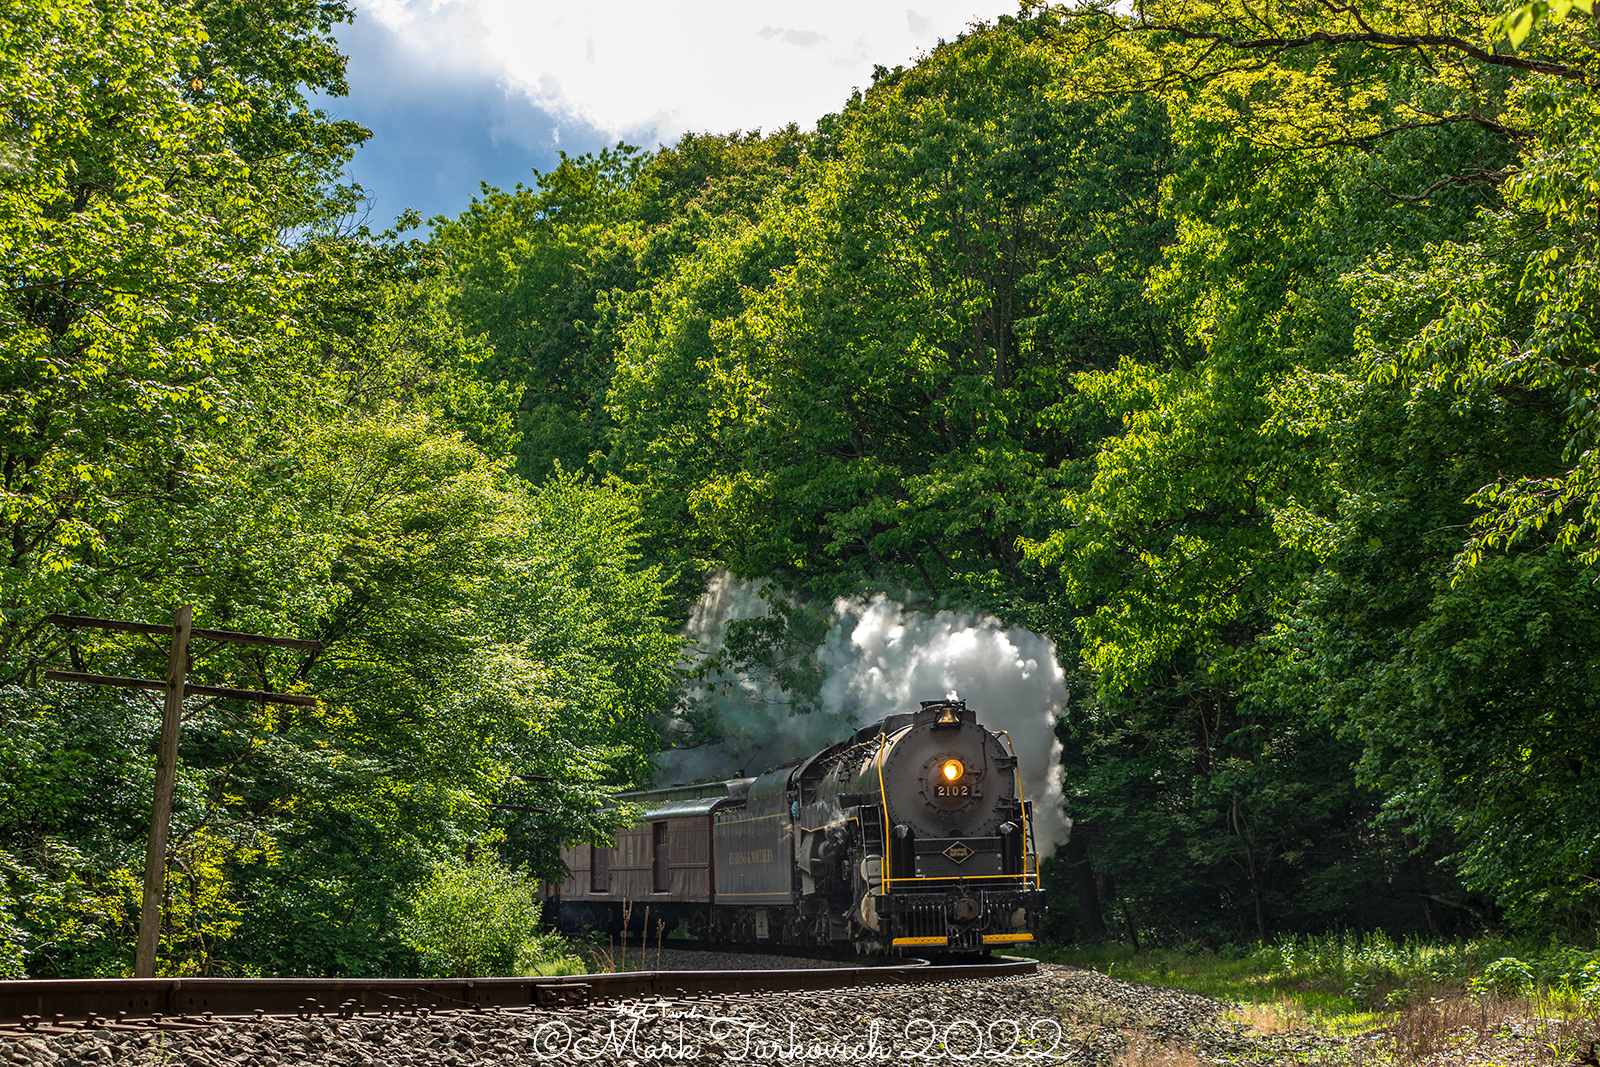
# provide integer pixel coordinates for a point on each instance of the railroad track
(76, 1004)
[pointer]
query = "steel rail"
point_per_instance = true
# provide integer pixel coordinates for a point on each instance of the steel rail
(54, 1003)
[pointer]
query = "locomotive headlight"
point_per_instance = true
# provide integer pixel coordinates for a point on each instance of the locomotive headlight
(952, 770)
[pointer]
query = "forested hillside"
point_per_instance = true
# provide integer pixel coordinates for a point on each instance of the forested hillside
(1246, 352)
(218, 392)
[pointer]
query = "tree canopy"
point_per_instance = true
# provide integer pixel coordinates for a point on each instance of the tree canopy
(216, 391)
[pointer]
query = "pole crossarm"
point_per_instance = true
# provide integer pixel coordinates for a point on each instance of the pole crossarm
(188, 690)
(230, 636)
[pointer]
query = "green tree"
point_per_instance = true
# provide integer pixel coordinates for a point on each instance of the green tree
(152, 164)
(868, 386)
(537, 269)
(1358, 200)
(530, 266)
(476, 632)
(1462, 674)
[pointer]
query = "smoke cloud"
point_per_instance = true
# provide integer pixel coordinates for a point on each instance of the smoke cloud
(755, 717)
(881, 658)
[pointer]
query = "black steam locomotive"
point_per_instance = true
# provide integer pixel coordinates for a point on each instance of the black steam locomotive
(911, 834)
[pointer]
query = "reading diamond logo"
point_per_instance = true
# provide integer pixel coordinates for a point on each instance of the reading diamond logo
(957, 852)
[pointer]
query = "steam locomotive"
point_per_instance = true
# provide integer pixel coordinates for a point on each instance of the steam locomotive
(912, 834)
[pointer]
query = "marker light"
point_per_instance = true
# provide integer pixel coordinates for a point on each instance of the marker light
(952, 770)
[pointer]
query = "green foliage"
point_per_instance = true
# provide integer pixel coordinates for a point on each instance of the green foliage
(1517, 23)
(217, 392)
(538, 271)
(1352, 982)
(152, 163)
(477, 919)
(475, 630)
(1506, 977)
(529, 267)
(867, 386)
(1282, 531)
(12, 953)
(69, 912)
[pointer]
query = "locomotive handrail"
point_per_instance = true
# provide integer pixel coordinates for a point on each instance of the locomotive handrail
(1022, 804)
(888, 868)
(963, 878)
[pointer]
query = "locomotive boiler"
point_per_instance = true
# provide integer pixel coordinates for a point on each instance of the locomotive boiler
(911, 834)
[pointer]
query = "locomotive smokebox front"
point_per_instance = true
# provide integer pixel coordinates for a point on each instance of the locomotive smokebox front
(946, 776)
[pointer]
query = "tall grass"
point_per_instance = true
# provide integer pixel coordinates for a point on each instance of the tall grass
(1348, 983)
(1366, 971)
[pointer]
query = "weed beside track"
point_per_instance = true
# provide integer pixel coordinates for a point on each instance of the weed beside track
(1367, 999)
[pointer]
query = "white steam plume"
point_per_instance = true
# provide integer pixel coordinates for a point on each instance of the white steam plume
(753, 714)
(881, 659)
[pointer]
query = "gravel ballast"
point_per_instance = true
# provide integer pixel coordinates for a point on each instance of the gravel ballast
(1061, 1015)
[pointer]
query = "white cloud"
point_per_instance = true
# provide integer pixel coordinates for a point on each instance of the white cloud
(650, 69)
(800, 38)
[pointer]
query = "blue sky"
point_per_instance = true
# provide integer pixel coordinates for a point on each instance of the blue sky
(462, 91)
(440, 127)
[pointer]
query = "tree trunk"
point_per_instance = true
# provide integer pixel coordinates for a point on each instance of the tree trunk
(1423, 892)
(1133, 935)
(1255, 891)
(1090, 919)
(1250, 871)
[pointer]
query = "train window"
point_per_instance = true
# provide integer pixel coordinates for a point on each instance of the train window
(659, 856)
(599, 870)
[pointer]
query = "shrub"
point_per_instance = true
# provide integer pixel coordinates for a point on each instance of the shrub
(1506, 977)
(65, 912)
(476, 919)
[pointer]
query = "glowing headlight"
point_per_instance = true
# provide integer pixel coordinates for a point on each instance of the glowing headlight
(952, 770)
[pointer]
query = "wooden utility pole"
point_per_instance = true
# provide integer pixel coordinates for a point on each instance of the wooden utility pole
(174, 689)
(155, 853)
